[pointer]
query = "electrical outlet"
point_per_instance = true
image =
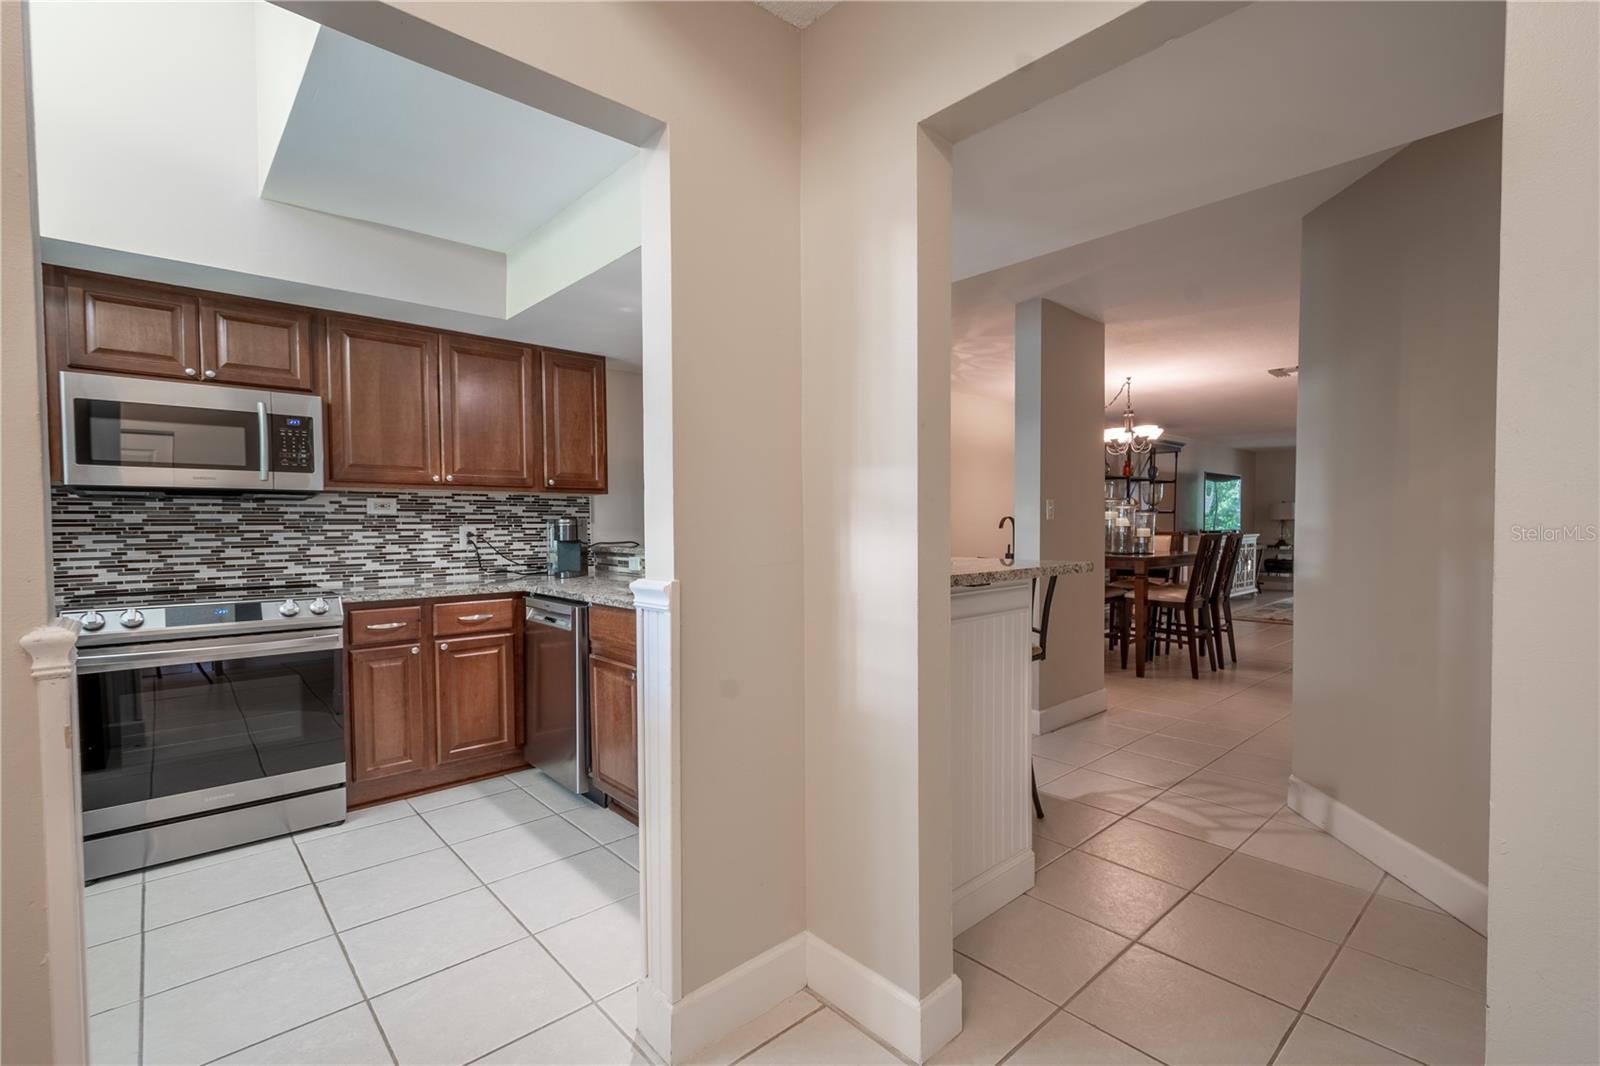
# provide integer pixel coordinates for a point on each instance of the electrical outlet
(464, 537)
(635, 563)
(1049, 510)
(383, 505)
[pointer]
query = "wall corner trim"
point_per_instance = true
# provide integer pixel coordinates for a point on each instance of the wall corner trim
(1431, 877)
(915, 1028)
(716, 1009)
(1048, 719)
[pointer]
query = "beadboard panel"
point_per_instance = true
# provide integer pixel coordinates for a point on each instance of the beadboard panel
(990, 640)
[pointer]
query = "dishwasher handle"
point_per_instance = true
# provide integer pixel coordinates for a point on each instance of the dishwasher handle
(543, 618)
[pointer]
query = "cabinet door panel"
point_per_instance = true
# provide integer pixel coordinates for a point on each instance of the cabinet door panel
(131, 329)
(614, 758)
(388, 712)
(574, 421)
(475, 694)
(383, 403)
(489, 397)
(248, 343)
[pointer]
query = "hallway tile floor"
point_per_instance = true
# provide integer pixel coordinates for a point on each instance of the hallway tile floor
(1181, 914)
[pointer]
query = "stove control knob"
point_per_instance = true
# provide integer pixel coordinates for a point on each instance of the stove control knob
(93, 621)
(318, 606)
(132, 618)
(288, 608)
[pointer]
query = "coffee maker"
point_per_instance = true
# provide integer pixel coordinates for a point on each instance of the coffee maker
(563, 549)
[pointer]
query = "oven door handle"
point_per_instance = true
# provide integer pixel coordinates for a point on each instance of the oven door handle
(179, 653)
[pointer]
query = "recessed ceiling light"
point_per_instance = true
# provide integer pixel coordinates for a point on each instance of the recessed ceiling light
(1285, 371)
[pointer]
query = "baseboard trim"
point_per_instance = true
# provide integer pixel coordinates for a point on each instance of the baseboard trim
(1436, 880)
(1065, 713)
(675, 1031)
(915, 1028)
(991, 890)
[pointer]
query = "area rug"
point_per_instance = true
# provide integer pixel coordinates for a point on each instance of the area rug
(1280, 612)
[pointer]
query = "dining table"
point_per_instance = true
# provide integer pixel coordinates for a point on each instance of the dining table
(1139, 566)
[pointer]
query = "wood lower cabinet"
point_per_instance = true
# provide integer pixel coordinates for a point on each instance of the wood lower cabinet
(388, 704)
(474, 681)
(383, 403)
(129, 328)
(613, 705)
(574, 421)
(428, 708)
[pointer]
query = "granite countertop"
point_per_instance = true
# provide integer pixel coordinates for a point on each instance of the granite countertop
(975, 573)
(605, 590)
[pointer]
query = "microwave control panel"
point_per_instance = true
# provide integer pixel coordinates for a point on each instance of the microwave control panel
(292, 450)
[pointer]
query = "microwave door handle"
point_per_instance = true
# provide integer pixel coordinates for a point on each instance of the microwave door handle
(261, 422)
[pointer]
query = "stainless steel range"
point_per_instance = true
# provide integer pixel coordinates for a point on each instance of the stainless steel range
(207, 724)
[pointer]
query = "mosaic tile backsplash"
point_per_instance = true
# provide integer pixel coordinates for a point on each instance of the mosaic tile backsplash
(112, 546)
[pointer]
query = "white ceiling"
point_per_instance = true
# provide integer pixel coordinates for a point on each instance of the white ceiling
(1197, 308)
(1268, 93)
(377, 137)
(1099, 198)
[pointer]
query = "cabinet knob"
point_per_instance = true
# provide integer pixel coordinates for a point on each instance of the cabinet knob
(211, 373)
(415, 650)
(633, 675)
(550, 482)
(436, 477)
(191, 371)
(444, 647)
(449, 477)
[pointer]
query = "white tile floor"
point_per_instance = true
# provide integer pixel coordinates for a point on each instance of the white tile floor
(484, 922)
(1181, 915)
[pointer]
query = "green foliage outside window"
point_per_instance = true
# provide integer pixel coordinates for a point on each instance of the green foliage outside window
(1222, 502)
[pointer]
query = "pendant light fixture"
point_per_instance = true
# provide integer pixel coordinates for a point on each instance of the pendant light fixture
(1126, 438)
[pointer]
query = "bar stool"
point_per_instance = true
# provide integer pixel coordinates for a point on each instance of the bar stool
(1042, 633)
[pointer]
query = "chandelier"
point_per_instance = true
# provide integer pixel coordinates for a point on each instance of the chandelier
(1128, 437)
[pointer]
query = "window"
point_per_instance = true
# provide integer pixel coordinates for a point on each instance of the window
(1223, 493)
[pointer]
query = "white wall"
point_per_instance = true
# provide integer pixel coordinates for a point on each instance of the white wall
(982, 442)
(1544, 945)
(168, 91)
(1273, 484)
(619, 513)
(1395, 476)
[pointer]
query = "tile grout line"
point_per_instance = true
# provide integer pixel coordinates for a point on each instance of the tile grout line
(820, 1007)
(1323, 976)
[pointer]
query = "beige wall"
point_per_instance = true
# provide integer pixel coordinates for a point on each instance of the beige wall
(1544, 870)
(619, 514)
(1202, 457)
(1060, 480)
(1273, 483)
(24, 586)
(1395, 474)
(981, 448)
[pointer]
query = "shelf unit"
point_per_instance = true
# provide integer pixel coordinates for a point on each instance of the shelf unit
(1165, 456)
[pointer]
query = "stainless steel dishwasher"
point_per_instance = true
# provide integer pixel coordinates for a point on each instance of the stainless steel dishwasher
(556, 690)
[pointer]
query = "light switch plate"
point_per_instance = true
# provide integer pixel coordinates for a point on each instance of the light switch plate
(383, 505)
(1049, 510)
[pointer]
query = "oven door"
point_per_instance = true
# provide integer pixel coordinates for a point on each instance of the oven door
(177, 729)
(163, 434)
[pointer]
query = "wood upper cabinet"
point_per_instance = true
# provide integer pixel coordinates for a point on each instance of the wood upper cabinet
(243, 342)
(475, 694)
(382, 388)
(130, 328)
(613, 692)
(489, 412)
(388, 712)
(574, 421)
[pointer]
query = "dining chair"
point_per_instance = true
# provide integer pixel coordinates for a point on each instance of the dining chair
(1185, 607)
(1118, 618)
(1221, 599)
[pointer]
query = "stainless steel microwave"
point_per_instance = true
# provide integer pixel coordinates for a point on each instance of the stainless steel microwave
(144, 433)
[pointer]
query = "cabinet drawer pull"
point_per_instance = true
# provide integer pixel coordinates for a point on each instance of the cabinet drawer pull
(384, 625)
(483, 617)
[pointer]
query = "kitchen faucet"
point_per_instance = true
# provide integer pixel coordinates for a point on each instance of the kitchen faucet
(1010, 556)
